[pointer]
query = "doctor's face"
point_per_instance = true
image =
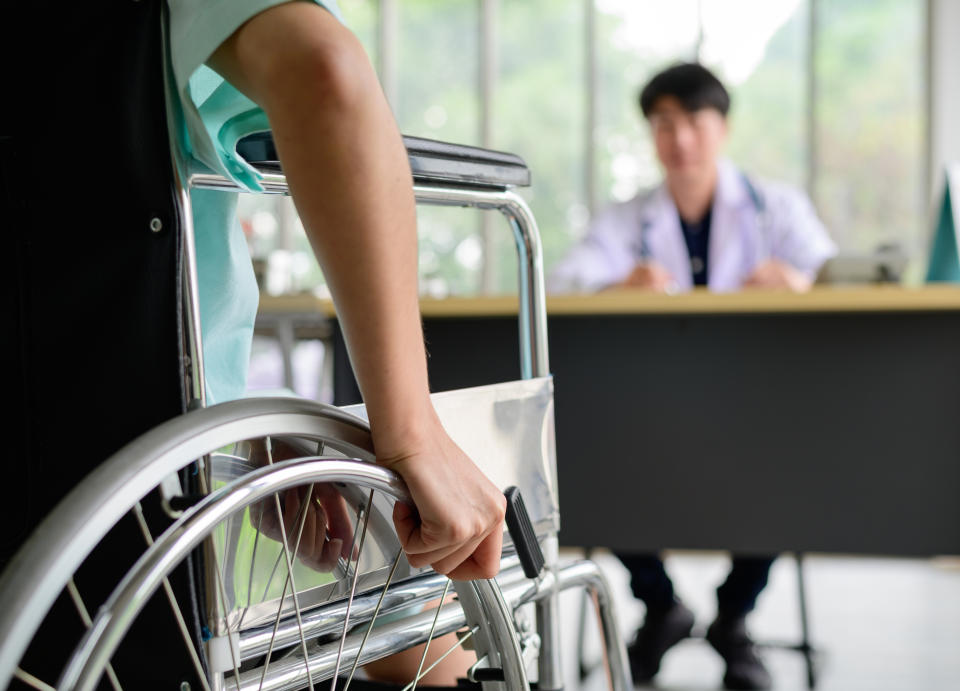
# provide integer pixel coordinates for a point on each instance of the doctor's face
(688, 143)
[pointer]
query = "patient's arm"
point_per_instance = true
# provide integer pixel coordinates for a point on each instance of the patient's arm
(350, 180)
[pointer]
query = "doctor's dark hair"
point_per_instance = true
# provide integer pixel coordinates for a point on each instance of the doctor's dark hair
(691, 83)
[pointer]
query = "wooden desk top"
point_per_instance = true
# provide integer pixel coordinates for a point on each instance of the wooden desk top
(821, 299)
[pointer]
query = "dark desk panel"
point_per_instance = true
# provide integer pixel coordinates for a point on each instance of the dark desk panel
(755, 432)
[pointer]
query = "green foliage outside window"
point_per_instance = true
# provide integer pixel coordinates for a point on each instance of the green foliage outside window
(868, 122)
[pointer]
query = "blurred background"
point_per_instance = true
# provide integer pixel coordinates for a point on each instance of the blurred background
(854, 101)
(831, 95)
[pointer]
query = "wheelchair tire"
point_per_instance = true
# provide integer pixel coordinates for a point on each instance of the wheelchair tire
(43, 569)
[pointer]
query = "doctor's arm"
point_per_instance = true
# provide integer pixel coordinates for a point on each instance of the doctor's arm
(604, 258)
(799, 244)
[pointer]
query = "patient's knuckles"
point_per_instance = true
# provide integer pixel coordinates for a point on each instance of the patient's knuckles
(416, 561)
(501, 509)
(458, 532)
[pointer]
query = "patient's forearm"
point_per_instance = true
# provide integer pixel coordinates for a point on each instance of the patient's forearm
(349, 176)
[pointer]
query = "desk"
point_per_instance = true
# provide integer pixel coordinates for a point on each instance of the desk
(755, 422)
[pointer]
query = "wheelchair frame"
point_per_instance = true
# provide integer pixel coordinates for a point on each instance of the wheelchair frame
(534, 363)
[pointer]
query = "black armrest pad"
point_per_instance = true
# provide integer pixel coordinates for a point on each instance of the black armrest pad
(431, 162)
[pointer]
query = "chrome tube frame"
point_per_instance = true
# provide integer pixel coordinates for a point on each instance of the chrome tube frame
(582, 574)
(531, 315)
(550, 663)
(328, 619)
(195, 389)
(289, 673)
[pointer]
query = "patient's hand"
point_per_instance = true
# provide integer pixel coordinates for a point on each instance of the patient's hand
(776, 274)
(649, 276)
(327, 531)
(456, 523)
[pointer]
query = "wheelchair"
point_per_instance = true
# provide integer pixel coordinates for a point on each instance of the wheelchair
(236, 484)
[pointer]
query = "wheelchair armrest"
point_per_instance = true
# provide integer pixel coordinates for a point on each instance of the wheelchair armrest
(431, 161)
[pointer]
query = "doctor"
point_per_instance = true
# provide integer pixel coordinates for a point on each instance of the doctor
(708, 224)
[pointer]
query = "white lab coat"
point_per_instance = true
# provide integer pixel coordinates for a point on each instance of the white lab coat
(752, 221)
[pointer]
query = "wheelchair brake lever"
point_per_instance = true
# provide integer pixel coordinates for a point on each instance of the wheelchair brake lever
(522, 533)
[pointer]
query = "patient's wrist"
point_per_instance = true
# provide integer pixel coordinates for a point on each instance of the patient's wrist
(402, 433)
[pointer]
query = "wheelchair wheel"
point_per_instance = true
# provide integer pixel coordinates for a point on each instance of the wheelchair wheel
(275, 601)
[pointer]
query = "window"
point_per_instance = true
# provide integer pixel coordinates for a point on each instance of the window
(767, 73)
(869, 123)
(827, 95)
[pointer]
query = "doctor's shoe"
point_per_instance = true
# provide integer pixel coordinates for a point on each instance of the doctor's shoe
(745, 669)
(661, 630)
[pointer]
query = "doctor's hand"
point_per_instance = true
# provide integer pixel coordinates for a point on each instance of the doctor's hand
(649, 276)
(778, 275)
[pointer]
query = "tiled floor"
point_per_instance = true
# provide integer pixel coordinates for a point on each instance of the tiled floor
(880, 624)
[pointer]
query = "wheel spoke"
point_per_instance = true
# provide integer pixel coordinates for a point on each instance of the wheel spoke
(221, 594)
(426, 646)
(293, 583)
(353, 590)
(253, 567)
(301, 519)
(256, 541)
(283, 593)
(174, 606)
(273, 635)
(87, 622)
(346, 562)
(373, 619)
(353, 543)
(31, 680)
(460, 641)
(273, 572)
(222, 591)
(301, 513)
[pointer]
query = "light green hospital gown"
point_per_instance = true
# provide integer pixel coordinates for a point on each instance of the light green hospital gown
(214, 117)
